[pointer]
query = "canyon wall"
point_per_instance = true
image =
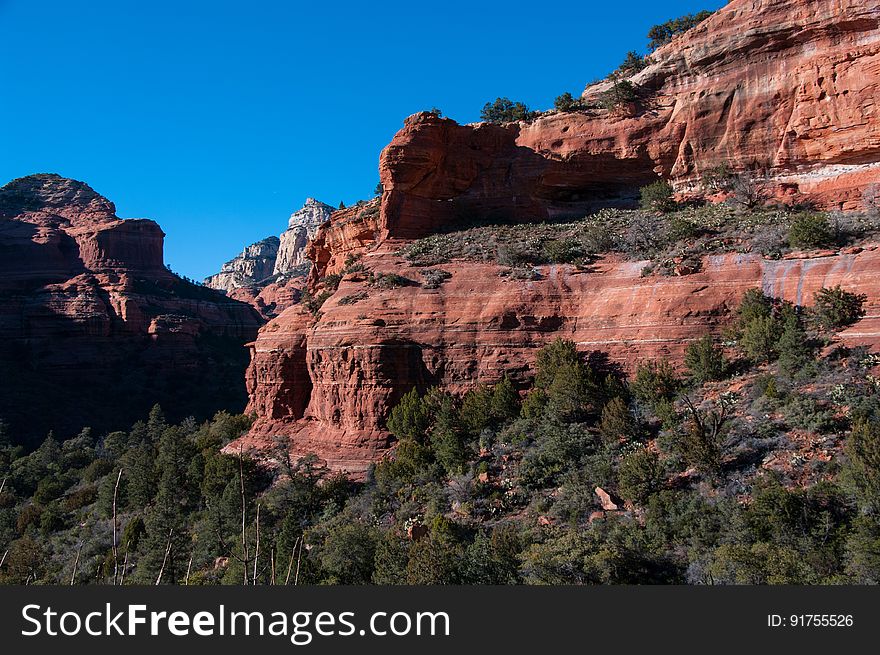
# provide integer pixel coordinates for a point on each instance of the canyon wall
(783, 90)
(326, 385)
(94, 329)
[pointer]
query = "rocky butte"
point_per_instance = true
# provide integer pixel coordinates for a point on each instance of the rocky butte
(783, 90)
(94, 329)
(270, 274)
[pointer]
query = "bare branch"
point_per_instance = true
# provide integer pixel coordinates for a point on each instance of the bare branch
(244, 546)
(115, 531)
(298, 560)
(257, 546)
(165, 558)
(76, 564)
(290, 563)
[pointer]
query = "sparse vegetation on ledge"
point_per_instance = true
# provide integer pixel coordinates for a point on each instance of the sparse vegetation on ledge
(679, 237)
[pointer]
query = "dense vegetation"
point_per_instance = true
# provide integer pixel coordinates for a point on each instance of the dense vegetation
(756, 461)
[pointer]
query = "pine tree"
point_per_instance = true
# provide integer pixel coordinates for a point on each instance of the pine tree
(705, 361)
(793, 346)
(617, 421)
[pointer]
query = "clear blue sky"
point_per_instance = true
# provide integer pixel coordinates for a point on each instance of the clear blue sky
(217, 119)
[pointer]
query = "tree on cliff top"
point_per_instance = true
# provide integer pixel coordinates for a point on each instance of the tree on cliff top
(665, 32)
(505, 110)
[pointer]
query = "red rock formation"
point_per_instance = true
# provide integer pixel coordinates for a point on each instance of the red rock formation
(273, 298)
(327, 385)
(787, 87)
(93, 328)
(349, 232)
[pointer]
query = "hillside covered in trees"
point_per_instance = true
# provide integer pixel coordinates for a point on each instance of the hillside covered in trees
(755, 460)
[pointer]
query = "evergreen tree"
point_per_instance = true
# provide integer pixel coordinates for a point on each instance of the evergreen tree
(167, 541)
(409, 419)
(793, 346)
(759, 339)
(705, 361)
(617, 421)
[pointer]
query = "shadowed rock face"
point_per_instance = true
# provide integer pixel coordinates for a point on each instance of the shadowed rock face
(94, 329)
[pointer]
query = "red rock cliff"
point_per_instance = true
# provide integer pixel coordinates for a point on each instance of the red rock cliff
(93, 328)
(786, 87)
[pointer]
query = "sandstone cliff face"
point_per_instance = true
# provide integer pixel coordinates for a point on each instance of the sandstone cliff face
(780, 88)
(252, 266)
(327, 385)
(93, 328)
(301, 227)
(350, 232)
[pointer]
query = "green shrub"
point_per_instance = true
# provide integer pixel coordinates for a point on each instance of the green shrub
(701, 440)
(353, 298)
(807, 414)
(861, 472)
(617, 422)
(655, 381)
(639, 476)
(564, 251)
(793, 347)
(657, 196)
(389, 281)
(314, 303)
(809, 231)
(836, 309)
(632, 64)
(663, 33)
(410, 417)
(705, 361)
(434, 277)
(718, 178)
(621, 93)
(679, 229)
(759, 339)
(504, 110)
(567, 103)
(332, 281)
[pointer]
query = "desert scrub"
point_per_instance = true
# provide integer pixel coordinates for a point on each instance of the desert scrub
(518, 245)
(811, 230)
(807, 414)
(521, 273)
(432, 278)
(353, 298)
(314, 303)
(388, 280)
(636, 234)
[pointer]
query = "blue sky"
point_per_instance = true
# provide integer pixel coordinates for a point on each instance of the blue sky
(217, 119)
